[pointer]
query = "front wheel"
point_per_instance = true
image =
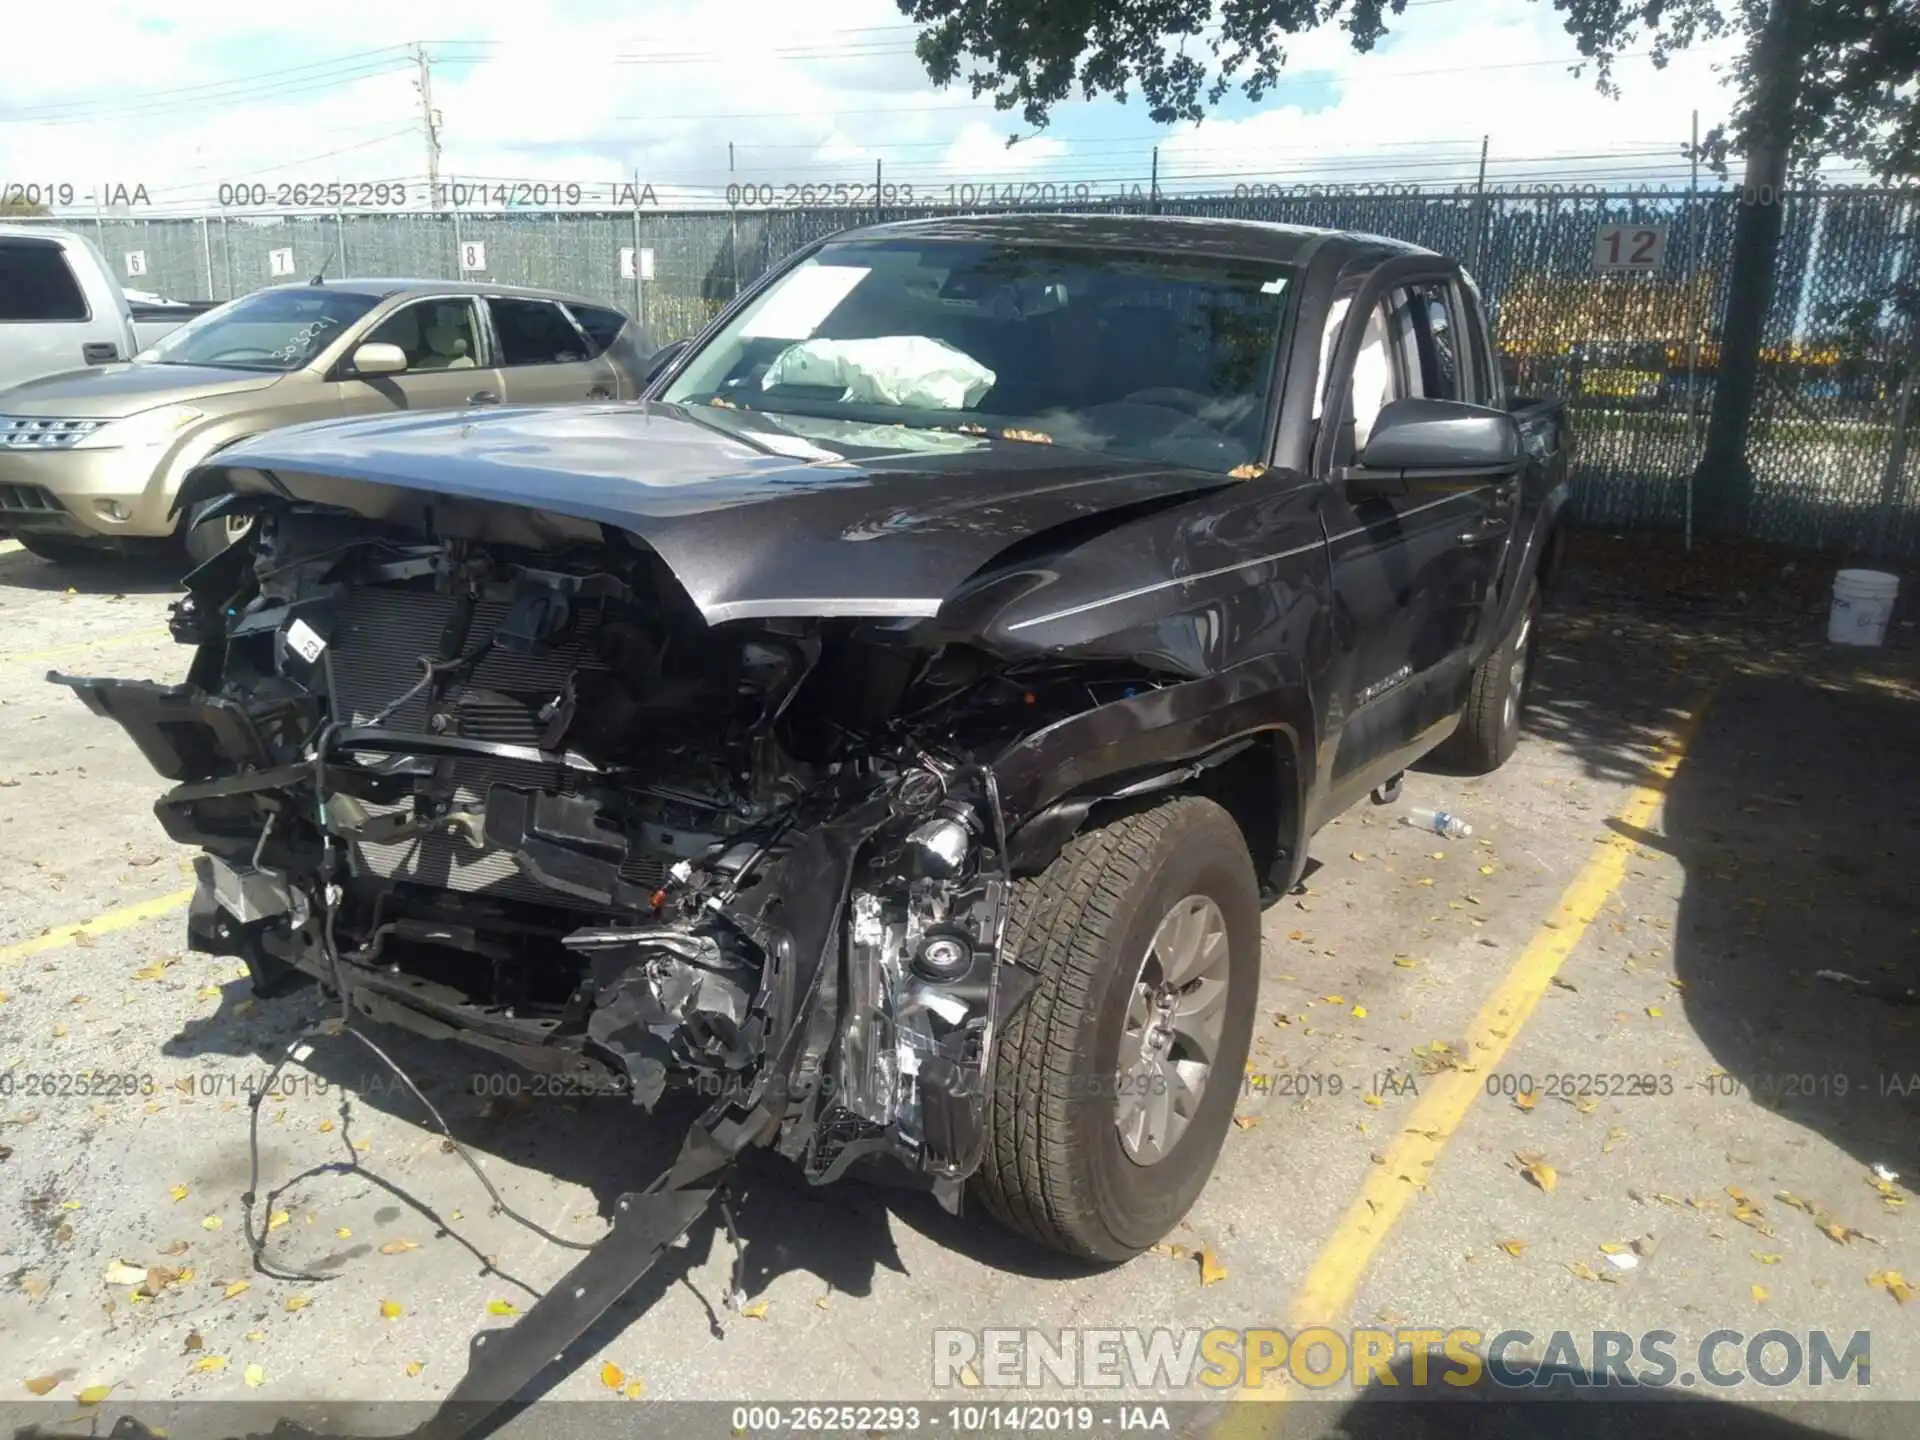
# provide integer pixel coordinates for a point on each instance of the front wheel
(207, 538)
(1490, 727)
(1113, 1086)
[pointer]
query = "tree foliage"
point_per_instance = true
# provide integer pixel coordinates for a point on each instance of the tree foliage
(1856, 60)
(19, 205)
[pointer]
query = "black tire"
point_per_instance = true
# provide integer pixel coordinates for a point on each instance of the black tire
(1055, 1168)
(64, 552)
(207, 538)
(1497, 698)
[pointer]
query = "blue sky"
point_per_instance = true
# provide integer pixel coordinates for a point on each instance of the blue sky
(183, 100)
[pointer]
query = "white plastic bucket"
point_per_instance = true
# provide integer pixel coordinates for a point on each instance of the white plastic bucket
(1862, 603)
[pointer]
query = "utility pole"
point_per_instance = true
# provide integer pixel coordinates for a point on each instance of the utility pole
(430, 120)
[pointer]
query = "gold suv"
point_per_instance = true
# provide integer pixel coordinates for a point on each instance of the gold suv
(91, 460)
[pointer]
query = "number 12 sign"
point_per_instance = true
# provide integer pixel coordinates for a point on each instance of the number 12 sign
(1630, 247)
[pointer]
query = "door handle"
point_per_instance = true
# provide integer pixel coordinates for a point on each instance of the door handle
(483, 397)
(99, 352)
(1486, 530)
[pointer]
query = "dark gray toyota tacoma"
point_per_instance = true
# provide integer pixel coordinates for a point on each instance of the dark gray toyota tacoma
(887, 728)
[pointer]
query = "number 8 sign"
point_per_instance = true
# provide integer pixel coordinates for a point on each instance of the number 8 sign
(473, 256)
(1629, 247)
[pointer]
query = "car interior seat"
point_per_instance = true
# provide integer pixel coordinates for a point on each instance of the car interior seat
(449, 341)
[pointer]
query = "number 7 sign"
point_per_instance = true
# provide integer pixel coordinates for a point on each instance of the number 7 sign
(1629, 247)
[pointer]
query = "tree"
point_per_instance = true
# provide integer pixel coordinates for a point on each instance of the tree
(1815, 79)
(13, 205)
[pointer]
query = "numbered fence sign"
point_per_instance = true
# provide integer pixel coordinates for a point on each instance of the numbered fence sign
(280, 262)
(473, 255)
(136, 262)
(1630, 247)
(627, 267)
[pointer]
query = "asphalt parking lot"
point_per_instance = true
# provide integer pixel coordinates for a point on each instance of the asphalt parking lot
(1578, 1072)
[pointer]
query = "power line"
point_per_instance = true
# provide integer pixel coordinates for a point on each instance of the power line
(210, 90)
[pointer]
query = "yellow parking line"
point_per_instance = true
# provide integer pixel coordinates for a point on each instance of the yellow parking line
(121, 919)
(1326, 1294)
(145, 632)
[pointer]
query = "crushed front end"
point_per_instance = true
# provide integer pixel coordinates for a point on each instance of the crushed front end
(524, 796)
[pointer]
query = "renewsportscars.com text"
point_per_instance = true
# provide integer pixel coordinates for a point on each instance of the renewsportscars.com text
(1319, 1357)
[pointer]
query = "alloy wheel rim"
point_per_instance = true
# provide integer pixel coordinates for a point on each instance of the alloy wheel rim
(1170, 1037)
(1517, 668)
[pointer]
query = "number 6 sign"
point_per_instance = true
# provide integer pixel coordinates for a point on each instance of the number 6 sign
(1630, 247)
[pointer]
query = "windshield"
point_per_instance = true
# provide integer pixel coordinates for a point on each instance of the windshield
(268, 330)
(1165, 359)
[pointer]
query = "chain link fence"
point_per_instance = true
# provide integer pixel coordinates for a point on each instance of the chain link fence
(1633, 354)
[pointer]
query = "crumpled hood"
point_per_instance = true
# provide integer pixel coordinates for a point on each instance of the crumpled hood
(109, 392)
(756, 515)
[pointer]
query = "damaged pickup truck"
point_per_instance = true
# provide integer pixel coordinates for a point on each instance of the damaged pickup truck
(887, 728)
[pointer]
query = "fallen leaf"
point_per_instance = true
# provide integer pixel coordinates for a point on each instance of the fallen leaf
(1355, 855)
(326, 1126)
(611, 1376)
(1515, 1248)
(255, 1375)
(299, 1302)
(212, 1222)
(1654, 1011)
(1580, 1270)
(414, 1367)
(1246, 1122)
(1615, 1134)
(756, 1311)
(398, 1247)
(1585, 1104)
(1334, 999)
(969, 1377)
(389, 1309)
(1359, 1012)
(1524, 1100)
(635, 1389)
(179, 1193)
(502, 1307)
(1839, 1233)
(1536, 1169)
(195, 1341)
(1211, 1270)
(1766, 1258)
(1893, 1282)
(277, 1219)
(1786, 1197)
(1405, 962)
(94, 1394)
(121, 1273)
(1375, 1101)
(1759, 1293)
(1486, 869)
(342, 1233)
(238, 1287)
(178, 1247)
(209, 1364)
(42, 1384)
(1613, 1247)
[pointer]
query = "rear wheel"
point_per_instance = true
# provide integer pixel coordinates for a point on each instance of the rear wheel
(1114, 1084)
(1490, 727)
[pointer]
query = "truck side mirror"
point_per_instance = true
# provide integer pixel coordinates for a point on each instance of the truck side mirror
(1441, 435)
(657, 363)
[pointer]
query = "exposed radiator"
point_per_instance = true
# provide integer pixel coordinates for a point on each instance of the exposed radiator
(377, 644)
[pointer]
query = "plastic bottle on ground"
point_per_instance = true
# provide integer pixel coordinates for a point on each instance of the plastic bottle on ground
(1439, 822)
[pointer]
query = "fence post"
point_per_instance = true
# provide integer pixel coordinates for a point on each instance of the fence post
(733, 223)
(639, 315)
(1693, 322)
(1153, 189)
(1890, 482)
(1478, 242)
(206, 251)
(457, 271)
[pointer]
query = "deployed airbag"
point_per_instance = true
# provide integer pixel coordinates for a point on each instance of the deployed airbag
(886, 370)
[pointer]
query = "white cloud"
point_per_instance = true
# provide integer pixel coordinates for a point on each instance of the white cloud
(183, 98)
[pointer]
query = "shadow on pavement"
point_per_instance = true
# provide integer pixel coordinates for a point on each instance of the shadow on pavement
(109, 575)
(1537, 1403)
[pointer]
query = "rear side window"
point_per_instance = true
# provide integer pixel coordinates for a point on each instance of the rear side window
(602, 326)
(534, 332)
(37, 284)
